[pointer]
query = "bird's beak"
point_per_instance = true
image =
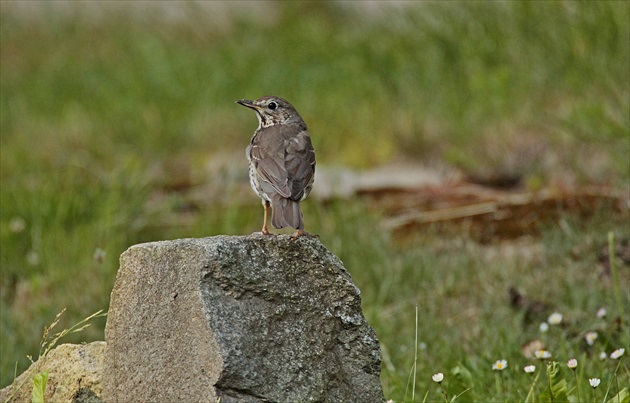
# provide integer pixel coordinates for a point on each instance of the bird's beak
(247, 103)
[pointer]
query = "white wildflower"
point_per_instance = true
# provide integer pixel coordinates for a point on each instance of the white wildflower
(590, 338)
(594, 382)
(17, 224)
(530, 369)
(555, 318)
(617, 353)
(439, 377)
(500, 365)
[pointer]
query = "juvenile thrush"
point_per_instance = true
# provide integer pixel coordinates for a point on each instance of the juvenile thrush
(281, 162)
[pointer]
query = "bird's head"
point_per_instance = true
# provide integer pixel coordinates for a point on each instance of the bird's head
(273, 111)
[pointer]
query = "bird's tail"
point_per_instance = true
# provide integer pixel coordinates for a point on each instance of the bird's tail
(286, 213)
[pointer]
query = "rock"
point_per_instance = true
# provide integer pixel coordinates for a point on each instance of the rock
(74, 375)
(243, 319)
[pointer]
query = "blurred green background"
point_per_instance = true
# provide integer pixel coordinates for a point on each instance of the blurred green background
(116, 119)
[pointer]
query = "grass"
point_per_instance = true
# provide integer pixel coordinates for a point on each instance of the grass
(106, 119)
(36, 374)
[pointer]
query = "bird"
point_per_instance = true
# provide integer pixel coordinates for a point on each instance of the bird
(281, 162)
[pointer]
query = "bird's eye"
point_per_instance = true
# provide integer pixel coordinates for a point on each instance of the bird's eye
(272, 105)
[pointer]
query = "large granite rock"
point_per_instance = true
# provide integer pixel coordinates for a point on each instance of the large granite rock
(74, 375)
(247, 319)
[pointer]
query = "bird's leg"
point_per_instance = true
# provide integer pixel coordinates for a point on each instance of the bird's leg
(265, 231)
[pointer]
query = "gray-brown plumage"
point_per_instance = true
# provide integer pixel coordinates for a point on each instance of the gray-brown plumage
(281, 162)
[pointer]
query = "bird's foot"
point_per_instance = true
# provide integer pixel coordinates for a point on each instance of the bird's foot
(298, 233)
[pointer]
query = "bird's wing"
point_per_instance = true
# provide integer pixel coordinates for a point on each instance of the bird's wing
(300, 164)
(284, 160)
(267, 155)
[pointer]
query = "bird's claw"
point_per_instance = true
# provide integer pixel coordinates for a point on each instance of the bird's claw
(262, 233)
(299, 233)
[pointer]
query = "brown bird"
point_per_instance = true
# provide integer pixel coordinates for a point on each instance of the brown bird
(281, 162)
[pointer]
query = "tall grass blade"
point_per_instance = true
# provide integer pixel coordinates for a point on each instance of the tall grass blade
(415, 360)
(615, 273)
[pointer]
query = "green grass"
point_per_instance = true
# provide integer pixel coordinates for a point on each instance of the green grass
(103, 119)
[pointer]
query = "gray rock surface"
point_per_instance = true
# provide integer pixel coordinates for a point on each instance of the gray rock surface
(74, 375)
(244, 319)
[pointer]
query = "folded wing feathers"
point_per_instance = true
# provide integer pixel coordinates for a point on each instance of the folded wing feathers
(286, 162)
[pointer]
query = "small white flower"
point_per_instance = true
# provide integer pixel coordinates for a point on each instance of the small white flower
(542, 354)
(32, 258)
(601, 313)
(572, 363)
(617, 353)
(99, 255)
(422, 345)
(500, 365)
(594, 382)
(555, 318)
(439, 377)
(544, 327)
(17, 224)
(603, 355)
(590, 338)
(530, 369)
